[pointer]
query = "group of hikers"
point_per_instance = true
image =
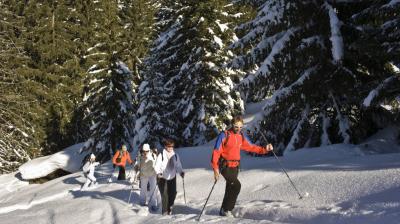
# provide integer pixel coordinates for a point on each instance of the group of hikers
(160, 170)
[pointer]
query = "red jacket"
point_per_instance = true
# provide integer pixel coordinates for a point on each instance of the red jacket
(230, 149)
(125, 156)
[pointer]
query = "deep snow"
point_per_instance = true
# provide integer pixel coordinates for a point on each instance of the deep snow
(346, 184)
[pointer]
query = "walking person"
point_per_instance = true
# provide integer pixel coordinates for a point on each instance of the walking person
(120, 158)
(168, 164)
(88, 170)
(226, 160)
(145, 164)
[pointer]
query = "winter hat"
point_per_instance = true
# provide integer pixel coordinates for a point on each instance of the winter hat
(92, 156)
(124, 147)
(146, 147)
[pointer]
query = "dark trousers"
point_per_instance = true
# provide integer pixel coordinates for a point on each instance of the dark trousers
(232, 188)
(168, 193)
(121, 173)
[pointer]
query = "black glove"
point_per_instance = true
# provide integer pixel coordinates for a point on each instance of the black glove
(183, 174)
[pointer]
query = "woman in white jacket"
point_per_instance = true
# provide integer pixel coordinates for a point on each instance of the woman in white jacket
(167, 166)
(146, 164)
(88, 171)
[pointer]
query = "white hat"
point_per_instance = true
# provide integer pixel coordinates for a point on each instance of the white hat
(92, 156)
(146, 147)
(124, 147)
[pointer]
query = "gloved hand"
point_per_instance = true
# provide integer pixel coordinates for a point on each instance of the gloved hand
(216, 175)
(183, 174)
(267, 149)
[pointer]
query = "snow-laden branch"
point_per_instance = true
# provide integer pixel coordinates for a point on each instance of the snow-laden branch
(344, 125)
(267, 63)
(336, 36)
(295, 136)
(375, 92)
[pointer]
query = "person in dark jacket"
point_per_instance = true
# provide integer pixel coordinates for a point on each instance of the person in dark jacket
(226, 160)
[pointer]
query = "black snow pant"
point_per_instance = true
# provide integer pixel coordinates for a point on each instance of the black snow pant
(121, 173)
(168, 193)
(232, 187)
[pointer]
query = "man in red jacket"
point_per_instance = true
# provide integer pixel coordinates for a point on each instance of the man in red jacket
(226, 159)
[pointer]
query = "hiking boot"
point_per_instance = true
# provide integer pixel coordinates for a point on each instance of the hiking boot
(153, 208)
(170, 211)
(222, 212)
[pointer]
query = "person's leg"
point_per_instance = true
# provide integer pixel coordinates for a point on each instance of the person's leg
(92, 179)
(152, 192)
(143, 190)
(122, 173)
(164, 194)
(171, 185)
(232, 188)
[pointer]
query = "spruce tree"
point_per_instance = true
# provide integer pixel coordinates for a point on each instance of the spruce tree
(109, 97)
(297, 60)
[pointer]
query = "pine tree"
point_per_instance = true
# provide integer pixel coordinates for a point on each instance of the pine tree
(298, 61)
(188, 60)
(109, 98)
(310, 59)
(203, 86)
(153, 122)
(18, 109)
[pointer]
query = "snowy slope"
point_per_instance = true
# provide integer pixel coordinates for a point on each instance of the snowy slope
(346, 184)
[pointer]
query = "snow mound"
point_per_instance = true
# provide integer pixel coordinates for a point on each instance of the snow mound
(68, 160)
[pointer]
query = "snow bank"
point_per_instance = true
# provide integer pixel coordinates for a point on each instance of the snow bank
(68, 160)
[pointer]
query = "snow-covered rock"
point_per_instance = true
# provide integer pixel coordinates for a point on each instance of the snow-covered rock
(68, 160)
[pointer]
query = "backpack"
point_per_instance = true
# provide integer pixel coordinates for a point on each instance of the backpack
(162, 157)
(86, 167)
(227, 134)
(118, 160)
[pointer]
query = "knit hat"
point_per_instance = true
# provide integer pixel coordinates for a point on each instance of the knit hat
(92, 156)
(146, 147)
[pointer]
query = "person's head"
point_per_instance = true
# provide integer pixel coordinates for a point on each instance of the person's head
(169, 145)
(124, 148)
(92, 157)
(146, 148)
(237, 124)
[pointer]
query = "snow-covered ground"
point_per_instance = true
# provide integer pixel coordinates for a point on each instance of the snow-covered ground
(344, 183)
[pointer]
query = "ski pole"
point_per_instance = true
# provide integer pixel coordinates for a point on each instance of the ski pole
(198, 219)
(184, 192)
(151, 196)
(290, 180)
(130, 194)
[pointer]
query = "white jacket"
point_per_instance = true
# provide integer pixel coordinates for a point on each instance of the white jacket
(162, 165)
(91, 168)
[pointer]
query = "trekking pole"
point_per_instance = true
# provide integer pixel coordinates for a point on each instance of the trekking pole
(110, 176)
(184, 192)
(151, 196)
(130, 194)
(198, 219)
(279, 161)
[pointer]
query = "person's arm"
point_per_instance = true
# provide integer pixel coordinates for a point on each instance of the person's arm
(129, 158)
(250, 147)
(217, 151)
(114, 160)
